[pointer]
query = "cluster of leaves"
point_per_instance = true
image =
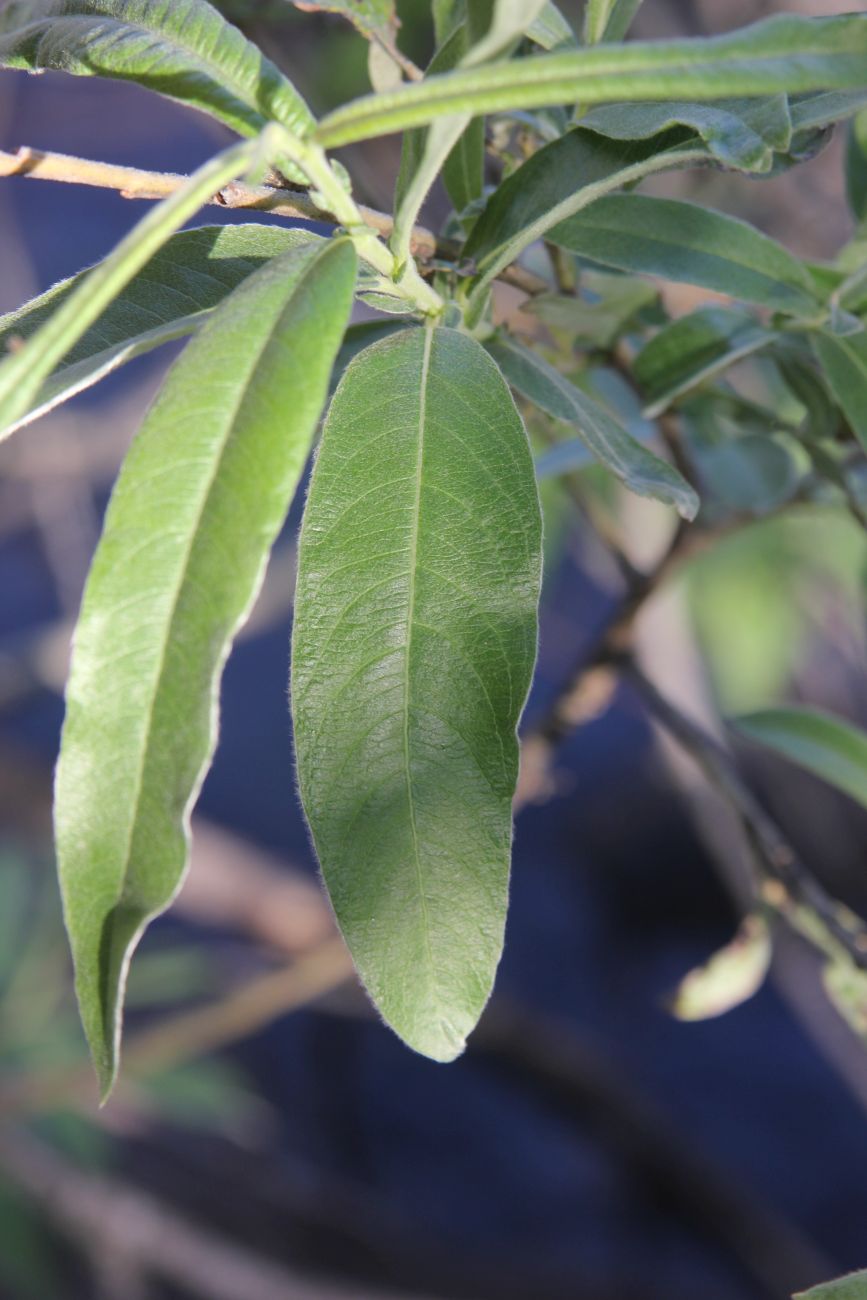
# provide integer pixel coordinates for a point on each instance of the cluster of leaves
(420, 554)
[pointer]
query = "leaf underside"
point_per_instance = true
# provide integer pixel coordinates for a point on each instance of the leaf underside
(413, 649)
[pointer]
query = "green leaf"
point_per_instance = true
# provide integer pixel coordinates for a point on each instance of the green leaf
(599, 323)
(851, 1287)
(413, 648)
(856, 167)
(826, 746)
(608, 20)
(23, 374)
(550, 29)
(636, 467)
(184, 49)
(824, 108)
(779, 55)
(169, 298)
(739, 133)
(731, 977)
(198, 504)
(844, 363)
(562, 178)
(687, 243)
(694, 349)
(754, 472)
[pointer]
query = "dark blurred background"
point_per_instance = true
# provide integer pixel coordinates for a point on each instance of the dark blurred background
(588, 1145)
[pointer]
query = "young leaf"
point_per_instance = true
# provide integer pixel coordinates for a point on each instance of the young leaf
(732, 976)
(693, 349)
(185, 50)
(684, 242)
(414, 642)
(636, 467)
(851, 1287)
(608, 20)
(198, 504)
(826, 746)
(562, 178)
(23, 373)
(739, 133)
(778, 55)
(844, 362)
(169, 298)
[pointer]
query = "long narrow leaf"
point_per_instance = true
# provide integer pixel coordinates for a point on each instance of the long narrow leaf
(784, 54)
(413, 648)
(844, 362)
(169, 298)
(23, 374)
(198, 504)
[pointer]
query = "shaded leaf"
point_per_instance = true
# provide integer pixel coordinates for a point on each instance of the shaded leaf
(693, 349)
(169, 298)
(826, 746)
(550, 29)
(608, 20)
(413, 649)
(684, 242)
(731, 977)
(856, 167)
(851, 1287)
(779, 55)
(754, 472)
(844, 364)
(636, 467)
(617, 300)
(198, 504)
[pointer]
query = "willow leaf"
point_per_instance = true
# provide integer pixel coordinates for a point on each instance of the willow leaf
(413, 648)
(844, 363)
(778, 55)
(198, 504)
(636, 467)
(168, 299)
(828, 747)
(184, 49)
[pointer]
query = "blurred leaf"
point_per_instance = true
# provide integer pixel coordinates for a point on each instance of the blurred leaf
(177, 288)
(739, 133)
(755, 472)
(828, 747)
(195, 511)
(779, 55)
(411, 660)
(844, 362)
(683, 242)
(599, 323)
(846, 986)
(608, 20)
(824, 108)
(27, 1263)
(856, 166)
(550, 29)
(693, 349)
(185, 50)
(636, 467)
(732, 976)
(371, 18)
(851, 1287)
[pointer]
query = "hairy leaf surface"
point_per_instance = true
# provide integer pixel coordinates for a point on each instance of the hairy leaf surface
(681, 241)
(826, 746)
(413, 648)
(183, 49)
(198, 504)
(783, 54)
(169, 298)
(636, 467)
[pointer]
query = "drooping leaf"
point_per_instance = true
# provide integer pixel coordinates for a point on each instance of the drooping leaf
(740, 133)
(169, 298)
(23, 373)
(608, 20)
(196, 508)
(684, 242)
(844, 364)
(636, 467)
(851, 1287)
(562, 178)
(732, 976)
(694, 349)
(828, 747)
(185, 50)
(413, 647)
(778, 55)
(856, 166)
